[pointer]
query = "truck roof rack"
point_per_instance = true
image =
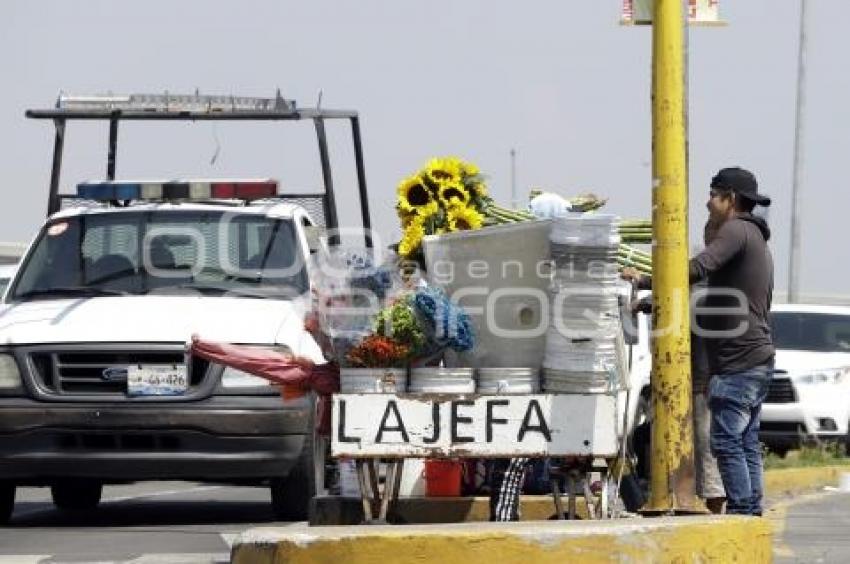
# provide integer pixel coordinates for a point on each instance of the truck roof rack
(197, 107)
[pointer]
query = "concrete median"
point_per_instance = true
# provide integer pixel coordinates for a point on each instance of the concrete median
(666, 539)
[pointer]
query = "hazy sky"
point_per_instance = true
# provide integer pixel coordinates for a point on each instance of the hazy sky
(561, 81)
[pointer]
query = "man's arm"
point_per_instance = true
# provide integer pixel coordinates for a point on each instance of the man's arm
(727, 243)
(721, 246)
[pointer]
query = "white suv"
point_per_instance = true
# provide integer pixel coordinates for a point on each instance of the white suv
(6, 273)
(809, 396)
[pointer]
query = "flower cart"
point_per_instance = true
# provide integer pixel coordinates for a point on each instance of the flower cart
(521, 281)
(421, 377)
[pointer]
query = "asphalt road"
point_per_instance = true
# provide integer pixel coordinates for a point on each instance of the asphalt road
(179, 522)
(816, 530)
(148, 522)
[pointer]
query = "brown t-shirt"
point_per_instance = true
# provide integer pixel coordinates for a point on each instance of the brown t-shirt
(739, 268)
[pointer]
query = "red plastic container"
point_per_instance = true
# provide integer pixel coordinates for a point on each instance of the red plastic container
(443, 478)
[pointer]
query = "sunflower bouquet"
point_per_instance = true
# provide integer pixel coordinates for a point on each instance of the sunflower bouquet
(447, 195)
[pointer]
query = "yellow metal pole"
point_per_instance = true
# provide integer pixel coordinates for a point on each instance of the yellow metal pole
(672, 466)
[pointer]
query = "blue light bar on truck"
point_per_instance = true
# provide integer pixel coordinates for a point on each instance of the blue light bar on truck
(178, 190)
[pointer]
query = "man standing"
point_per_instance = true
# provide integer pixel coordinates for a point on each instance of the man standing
(739, 268)
(708, 480)
(709, 484)
(734, 324)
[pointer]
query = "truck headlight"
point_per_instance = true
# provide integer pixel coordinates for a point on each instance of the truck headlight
(831, 376)
(10, 376)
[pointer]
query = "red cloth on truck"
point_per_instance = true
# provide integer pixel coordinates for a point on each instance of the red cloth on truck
(296, 375)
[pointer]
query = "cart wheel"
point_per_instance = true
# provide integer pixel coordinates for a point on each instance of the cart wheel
(7, 501)
(291, 495)
(75, 495)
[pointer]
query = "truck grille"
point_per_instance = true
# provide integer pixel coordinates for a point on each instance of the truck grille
(781, 390)
(79, 374)
(786, 427)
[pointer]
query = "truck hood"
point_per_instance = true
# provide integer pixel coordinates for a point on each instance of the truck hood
(800, 362)
(158, 319)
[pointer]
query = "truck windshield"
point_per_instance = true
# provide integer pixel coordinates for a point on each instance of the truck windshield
(132, 253)
(820, 332)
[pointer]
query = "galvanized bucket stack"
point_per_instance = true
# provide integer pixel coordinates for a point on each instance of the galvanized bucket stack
(584, 345)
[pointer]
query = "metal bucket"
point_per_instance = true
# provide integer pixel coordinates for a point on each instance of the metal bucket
(508, 381)
(433, 380)
(372, 380)
(570, 382)
(500, 274)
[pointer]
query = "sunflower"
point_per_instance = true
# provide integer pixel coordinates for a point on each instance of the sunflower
(453, 193)
(442, 171)
(463, 218)
(412, 237)
(429, 210)
(479, 189)
(413, 194)
(405, 216)
(468, 169)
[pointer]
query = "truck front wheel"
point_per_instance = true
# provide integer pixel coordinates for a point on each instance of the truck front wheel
(76, 495)
(291, 495)
(7, 501)
(847, 441)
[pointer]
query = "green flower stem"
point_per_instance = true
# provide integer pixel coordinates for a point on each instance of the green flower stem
(510, 214)
(502, 218)
(622, 261)
(633, 250)
(634, 254)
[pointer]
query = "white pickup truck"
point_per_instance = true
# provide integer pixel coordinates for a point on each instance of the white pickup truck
(94, 386)
(809, 397)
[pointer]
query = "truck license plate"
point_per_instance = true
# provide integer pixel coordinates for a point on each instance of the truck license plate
(156, 380)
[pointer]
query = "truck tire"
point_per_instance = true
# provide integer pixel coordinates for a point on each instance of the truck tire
(291, 495)
(7, 501)
(76, 495)
(781, 451)
(847, 441)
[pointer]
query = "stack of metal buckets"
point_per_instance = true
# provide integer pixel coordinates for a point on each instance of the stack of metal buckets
(584, 345)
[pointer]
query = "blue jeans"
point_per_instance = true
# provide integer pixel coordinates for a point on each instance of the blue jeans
(735, 401)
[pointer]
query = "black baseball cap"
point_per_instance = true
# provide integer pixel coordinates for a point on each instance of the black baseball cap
(740, 181)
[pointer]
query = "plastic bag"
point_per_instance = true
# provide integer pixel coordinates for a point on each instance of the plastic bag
(349, 289)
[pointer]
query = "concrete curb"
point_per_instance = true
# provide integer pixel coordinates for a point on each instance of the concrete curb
(794, 481)
(666, 539)
(779, 484)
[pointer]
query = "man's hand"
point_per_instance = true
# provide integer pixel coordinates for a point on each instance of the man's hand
(709, 231)
(631, 274)
(643, 305)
